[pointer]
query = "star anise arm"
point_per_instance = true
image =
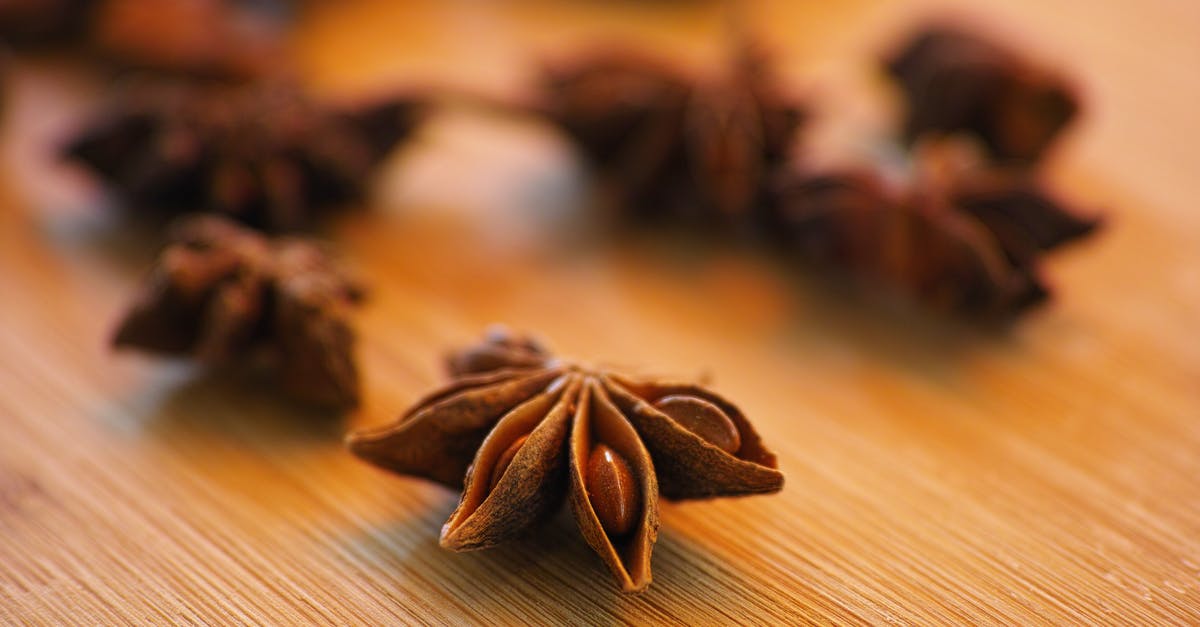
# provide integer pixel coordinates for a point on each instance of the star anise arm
(439, 440)
(690, 466)
(613, 488)
(500, 349)
(316, 354)
(518, 476)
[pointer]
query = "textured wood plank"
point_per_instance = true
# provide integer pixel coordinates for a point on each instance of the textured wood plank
(936, 474)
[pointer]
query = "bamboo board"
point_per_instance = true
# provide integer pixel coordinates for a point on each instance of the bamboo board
(935, 473)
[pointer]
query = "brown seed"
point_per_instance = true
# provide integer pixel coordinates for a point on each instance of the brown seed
(612, 490)
(506, 458)
(702, 418)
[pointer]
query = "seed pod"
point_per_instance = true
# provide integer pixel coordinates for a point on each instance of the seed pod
(541, 433)
(621, 537)
(506, 459)
(688, 466)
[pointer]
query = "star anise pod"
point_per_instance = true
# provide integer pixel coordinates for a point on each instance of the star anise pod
(263, 155)
(954, 82)
(518, 438)
(965, 239)
(214, 38)
(672, 144)
(220, 38)
(43, 22)
(226, 295)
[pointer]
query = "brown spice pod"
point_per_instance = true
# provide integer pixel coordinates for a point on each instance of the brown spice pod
(597, 420)
(688, 466)
(517, 420)
(438, 438)
(488, 515)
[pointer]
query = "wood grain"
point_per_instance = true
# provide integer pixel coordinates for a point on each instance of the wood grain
(935, 473)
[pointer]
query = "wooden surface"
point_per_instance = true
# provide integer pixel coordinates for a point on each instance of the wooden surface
(935, 474)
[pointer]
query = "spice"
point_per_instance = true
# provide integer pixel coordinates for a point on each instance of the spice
(958, 236)
(954, 82)
(213, 38)
(675, 146)
(518, 438)
(226, 295)
(43, 22)
(264, 155)
(219, 38)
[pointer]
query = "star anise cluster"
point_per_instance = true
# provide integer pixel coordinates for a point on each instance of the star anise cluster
(965, 229)
(227, 296)
(263, 155)
(518, 431)
(672, 144)
(219, 38)
(723, 150)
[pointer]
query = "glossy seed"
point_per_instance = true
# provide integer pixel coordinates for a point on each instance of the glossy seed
(505, 460)
(702, 418)
(612, 490)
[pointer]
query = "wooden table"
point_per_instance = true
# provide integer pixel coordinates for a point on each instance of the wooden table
(935, 473)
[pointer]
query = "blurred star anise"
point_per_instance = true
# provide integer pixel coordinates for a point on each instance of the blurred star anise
(264, 155)
(227, 296)
(671, 144)
(42, 22)
(959, 237)
(520, 437)
(217, 38)
(954, 82)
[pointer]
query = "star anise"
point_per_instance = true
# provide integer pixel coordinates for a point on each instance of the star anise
(962, 238)
(518, 438)
(43, 22)
(955, 82)
(217, 38)
(265, 156)
(227, 295)
(672, 144)
(220, 38)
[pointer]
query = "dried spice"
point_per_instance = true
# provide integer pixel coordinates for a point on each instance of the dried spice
(519, 438)
(954, 82)
(961, 238)
(223, 38)
(218, 38)
(673, 145)
(43, 22)
(228, 296)
(265, 155)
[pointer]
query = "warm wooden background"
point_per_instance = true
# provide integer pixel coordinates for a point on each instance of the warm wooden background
(935, 473)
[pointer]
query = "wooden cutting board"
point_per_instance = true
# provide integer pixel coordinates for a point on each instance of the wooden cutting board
(935, 473)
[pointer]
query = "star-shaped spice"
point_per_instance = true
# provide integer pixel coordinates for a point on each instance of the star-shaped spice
(228, 296)
(955, 82)
(43, 22)
(263, 155)
(218, 38)
(672, 144)
(958, 236)
(212, 38)
(518, 430)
